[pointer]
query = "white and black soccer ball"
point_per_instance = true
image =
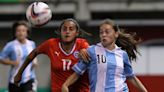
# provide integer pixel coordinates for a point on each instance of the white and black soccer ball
(38, 14)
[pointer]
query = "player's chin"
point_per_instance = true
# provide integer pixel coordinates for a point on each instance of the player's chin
(21, 38)
(104, 43)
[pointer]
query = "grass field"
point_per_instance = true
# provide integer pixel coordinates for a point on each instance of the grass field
(39, 90)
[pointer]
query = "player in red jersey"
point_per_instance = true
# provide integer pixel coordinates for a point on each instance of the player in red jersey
(63, 53)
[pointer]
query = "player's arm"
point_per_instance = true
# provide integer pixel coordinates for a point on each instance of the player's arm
(70, 80)
(40, 49)
(35, 61)
(9, 62)
(79, 69)
(5, 54)
(137, 83)
(28, 60)
(130, 75)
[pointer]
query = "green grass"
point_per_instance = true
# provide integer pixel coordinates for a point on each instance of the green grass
(39, 90)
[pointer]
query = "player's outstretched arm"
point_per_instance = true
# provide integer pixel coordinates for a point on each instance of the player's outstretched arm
(28, 60)
(72, 79)
(9, 62)
(137, 83)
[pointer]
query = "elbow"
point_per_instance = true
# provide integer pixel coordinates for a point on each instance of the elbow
(3, 62)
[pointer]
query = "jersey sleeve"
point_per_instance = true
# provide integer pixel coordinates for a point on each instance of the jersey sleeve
(6, 52)
(80, 67)
(84, 44)
(127, 66)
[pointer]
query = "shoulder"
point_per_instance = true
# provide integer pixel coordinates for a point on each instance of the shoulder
(10, 43)
(52, 40)
(49, 42)
(123, 52)
(125, 56)
(81, 40)
(119, 51)
(81, 43)
(91, 49)
(96, 46)
(31, 42)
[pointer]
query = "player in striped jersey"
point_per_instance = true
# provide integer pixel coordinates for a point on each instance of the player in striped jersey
(14, 54)
(110, 65)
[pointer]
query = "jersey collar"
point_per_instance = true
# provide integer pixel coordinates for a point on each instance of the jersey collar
(21, 43)
(116, 47)
(67, 54)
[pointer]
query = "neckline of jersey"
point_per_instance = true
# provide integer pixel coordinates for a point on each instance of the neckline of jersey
(67, 54)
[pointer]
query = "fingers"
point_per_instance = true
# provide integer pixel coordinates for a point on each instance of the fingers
(84, 55)
(84, 58)
(16, 63)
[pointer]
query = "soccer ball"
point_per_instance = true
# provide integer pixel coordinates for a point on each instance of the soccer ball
(38, 14)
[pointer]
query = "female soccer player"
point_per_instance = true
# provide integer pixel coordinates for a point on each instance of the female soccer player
(110, 65)
(63, 53)
(14, 54)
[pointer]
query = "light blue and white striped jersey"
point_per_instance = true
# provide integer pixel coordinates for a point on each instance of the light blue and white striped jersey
(15, 51)
(107, 69)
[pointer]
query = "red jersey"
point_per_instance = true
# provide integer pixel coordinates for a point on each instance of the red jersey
(62, 62)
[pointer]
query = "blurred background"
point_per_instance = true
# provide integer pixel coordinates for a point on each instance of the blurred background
(145, 17)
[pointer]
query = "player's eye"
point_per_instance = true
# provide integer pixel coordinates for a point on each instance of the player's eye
(72, 28)
(64, 29)
(108, 30)
(101, 32)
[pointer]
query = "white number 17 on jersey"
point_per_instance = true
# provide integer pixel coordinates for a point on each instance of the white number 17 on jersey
(66, 64)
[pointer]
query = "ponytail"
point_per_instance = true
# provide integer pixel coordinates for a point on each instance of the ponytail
(128, 43)
(125, 40)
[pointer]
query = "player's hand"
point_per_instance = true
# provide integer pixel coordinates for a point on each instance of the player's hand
(16, 64)
(84, 55)
(17, 79)
(65, 88)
